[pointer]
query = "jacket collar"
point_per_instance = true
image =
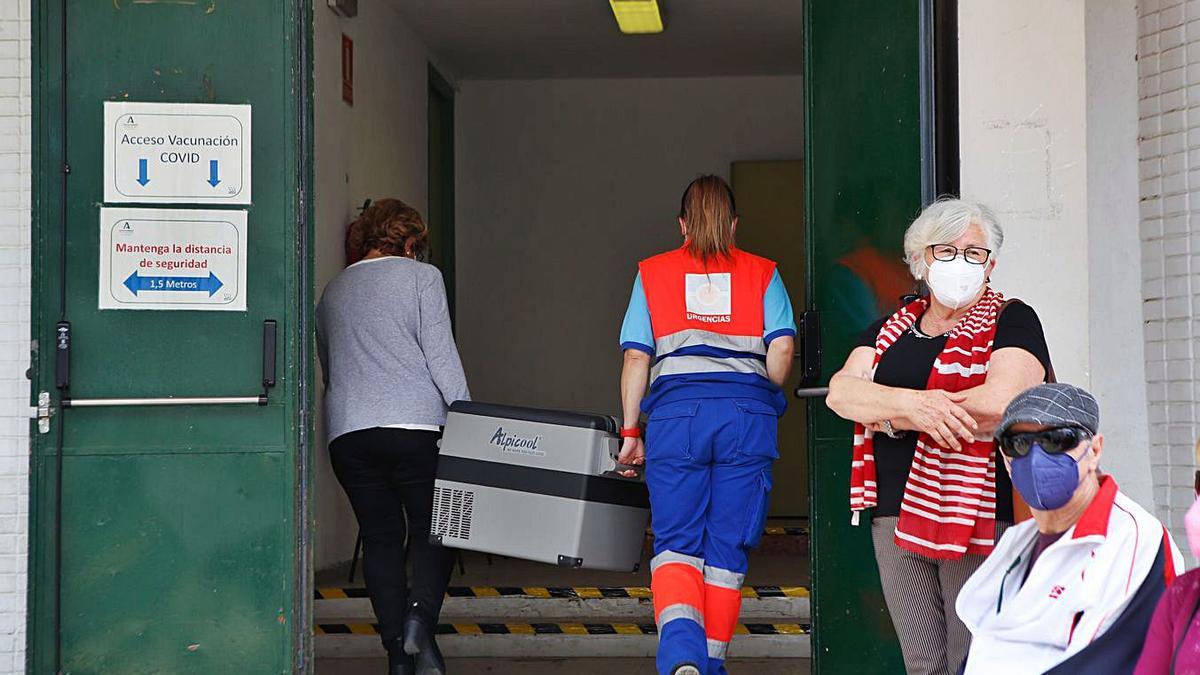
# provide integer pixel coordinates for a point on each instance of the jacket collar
(1095, 518)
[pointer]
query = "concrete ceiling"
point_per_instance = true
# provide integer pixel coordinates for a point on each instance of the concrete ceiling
(502, 39)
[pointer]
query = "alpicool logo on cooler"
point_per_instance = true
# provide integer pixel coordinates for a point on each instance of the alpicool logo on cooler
(522, 445)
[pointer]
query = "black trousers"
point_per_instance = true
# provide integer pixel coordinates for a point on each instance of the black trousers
(388, 475)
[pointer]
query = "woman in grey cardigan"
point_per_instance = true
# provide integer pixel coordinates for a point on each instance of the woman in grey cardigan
(391, 369)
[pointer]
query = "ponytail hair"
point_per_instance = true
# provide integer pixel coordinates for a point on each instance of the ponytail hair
(708, 209)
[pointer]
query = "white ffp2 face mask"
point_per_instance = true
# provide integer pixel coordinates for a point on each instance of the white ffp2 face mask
(955, 282)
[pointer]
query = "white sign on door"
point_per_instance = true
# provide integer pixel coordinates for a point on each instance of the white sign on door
(176, 152)
(172, 259)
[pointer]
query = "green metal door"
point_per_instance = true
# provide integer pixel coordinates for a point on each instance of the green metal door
(864, 186)
(182, 527)
(439, 215)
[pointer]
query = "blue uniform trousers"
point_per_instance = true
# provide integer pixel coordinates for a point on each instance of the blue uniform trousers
(708, 468)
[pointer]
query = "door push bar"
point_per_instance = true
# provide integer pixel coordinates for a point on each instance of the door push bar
(63, 379)
(810, 356)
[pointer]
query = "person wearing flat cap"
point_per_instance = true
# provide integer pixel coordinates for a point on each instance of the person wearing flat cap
(1073, 589)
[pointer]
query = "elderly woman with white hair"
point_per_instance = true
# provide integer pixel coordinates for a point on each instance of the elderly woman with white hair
(925, 387)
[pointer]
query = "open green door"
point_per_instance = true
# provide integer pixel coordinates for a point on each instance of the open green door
(181, 526)
(864, 186)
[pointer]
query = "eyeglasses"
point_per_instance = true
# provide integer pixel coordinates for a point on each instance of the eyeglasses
(1054, 441)
(976, 255)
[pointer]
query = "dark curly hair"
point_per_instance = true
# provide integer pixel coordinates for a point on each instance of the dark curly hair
(393, 227)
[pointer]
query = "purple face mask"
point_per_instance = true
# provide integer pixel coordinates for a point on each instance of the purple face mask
(1045, 480)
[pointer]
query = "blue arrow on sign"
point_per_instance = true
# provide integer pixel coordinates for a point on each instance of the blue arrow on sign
(210, 284)
(212, 173)
(142, 173)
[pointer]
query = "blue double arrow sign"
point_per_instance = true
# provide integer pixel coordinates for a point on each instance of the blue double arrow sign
(213, 173)
(210, 284)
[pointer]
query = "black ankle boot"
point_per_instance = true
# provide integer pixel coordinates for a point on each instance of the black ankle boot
(419, 642)
(399, 663)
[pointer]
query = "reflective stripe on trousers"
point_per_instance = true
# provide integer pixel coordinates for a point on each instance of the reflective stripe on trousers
(677, 584)
(722, 604)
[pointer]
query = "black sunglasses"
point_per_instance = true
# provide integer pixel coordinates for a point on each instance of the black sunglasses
(1053, 441)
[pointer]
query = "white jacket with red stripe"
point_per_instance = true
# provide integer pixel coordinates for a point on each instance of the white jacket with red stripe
(1077, 589)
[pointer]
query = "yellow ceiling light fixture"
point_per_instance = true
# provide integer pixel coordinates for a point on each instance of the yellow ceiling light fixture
(637, 17)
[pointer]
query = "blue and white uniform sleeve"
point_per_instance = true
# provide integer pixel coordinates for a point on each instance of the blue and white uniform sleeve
(636, 332)
(778, 319)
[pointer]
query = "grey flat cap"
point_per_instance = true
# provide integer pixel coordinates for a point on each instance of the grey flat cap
(1053, 405)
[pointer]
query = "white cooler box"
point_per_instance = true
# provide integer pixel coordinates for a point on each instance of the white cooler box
(538, 485)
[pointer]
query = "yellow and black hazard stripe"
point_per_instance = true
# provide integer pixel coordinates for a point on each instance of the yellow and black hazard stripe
(796, 531)
(341, 593)
(751, 592)
(545, 593)
(570, 593)
(556, 629)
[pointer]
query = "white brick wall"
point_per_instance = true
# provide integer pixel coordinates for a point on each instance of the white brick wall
(1169, 175)
(15, 138)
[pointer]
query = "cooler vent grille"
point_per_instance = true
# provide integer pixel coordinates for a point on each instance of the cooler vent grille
(453, 511)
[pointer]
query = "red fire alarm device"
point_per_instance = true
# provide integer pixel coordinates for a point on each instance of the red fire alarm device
(347, 69)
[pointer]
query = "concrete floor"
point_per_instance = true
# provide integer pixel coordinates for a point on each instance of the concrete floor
(560, 667)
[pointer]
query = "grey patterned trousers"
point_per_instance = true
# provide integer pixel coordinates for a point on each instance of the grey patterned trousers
(920, 594)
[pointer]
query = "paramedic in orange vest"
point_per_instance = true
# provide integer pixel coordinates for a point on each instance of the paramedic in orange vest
(710, 327)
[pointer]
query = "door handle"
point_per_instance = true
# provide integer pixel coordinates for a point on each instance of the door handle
(269, 347)
(811, 392)
(810, 349)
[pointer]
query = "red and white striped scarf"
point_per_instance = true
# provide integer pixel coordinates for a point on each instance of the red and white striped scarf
(949, 504)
